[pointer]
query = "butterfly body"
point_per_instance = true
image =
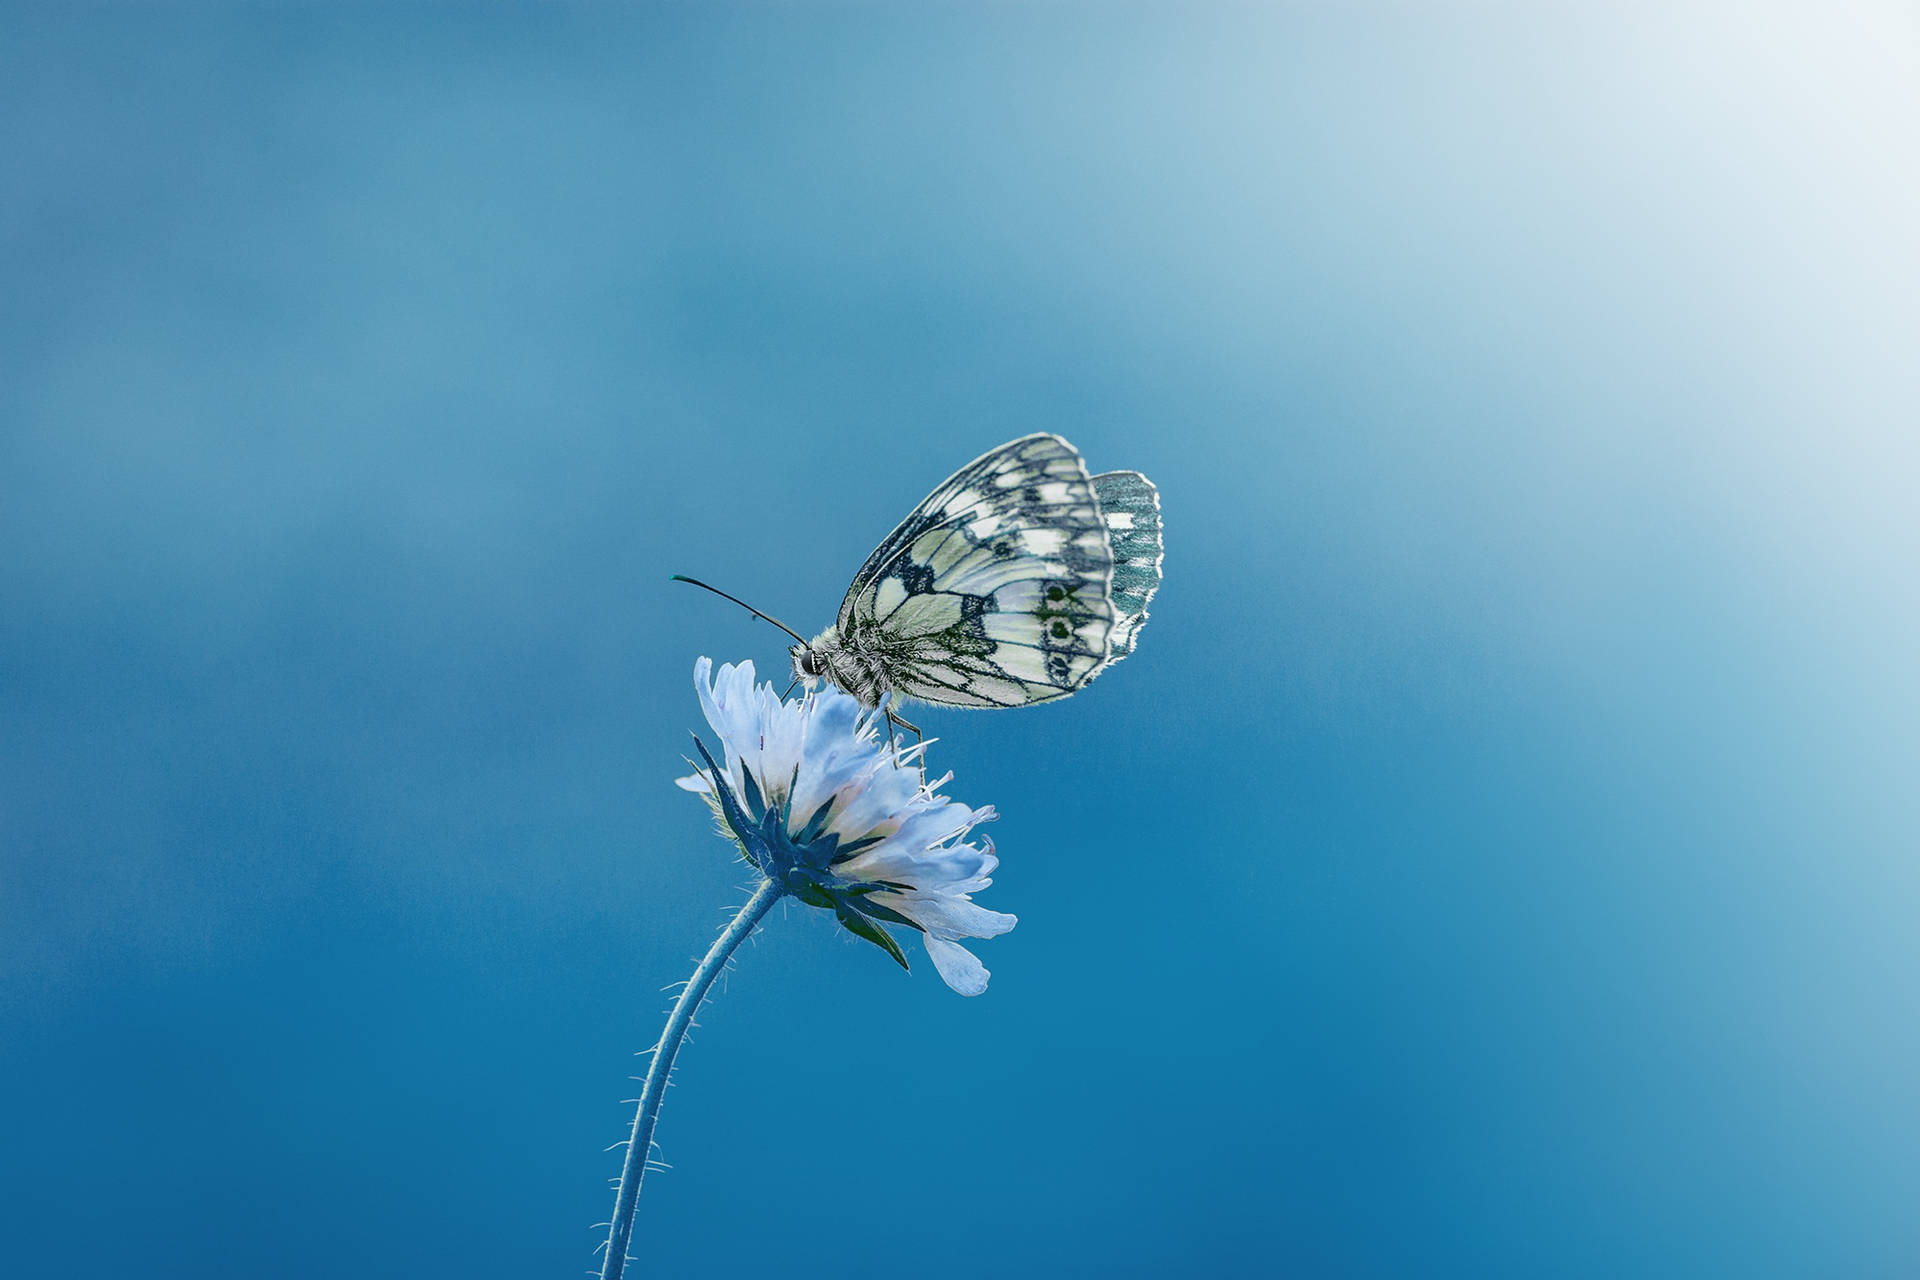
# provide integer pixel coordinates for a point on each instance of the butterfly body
(1016, 581)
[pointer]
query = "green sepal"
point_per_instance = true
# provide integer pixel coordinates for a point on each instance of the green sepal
(861, 927)
(722, 798)
(859, 901)
(842, 852)
(816, 821)
(803, 888)
(755, 802)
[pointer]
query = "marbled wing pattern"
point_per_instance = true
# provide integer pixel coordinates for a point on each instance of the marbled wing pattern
(994, 592)
(1130, 506)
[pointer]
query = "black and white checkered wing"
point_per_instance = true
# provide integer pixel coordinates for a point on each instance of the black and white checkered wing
(1130, 507)
(994, 591)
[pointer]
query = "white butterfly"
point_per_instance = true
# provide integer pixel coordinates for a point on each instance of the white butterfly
(1018, 580)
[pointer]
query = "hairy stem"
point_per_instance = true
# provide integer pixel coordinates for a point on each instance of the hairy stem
(640, 1145)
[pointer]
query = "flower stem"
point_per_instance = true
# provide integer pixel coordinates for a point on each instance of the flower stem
(640, 1145)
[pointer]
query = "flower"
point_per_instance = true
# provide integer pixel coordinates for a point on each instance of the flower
(842, 819)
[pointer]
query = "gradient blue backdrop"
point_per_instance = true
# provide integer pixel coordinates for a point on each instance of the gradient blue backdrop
(1498, 860)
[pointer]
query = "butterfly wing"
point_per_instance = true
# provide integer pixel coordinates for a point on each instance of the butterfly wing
(993, 592)
(1130, 506)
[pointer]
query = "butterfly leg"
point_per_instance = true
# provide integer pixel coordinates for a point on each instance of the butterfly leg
(904, 723)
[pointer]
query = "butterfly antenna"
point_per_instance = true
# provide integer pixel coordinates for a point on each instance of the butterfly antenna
(681, 577)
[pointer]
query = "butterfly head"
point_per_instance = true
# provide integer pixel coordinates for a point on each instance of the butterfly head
(808, 662)
(823, 658)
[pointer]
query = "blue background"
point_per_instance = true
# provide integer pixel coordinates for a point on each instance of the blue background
(1498, 859)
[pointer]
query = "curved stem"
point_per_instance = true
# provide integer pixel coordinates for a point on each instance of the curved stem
(640, 1145)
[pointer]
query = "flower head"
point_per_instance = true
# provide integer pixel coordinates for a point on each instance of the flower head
(841, 819)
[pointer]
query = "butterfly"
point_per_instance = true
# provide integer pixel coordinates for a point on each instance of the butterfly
(1017, 580)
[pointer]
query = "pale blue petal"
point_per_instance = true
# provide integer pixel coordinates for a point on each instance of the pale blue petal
(729, 704)
(949, 917)
(832, 758)
(959, 968)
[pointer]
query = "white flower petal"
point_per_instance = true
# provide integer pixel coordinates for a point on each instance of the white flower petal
(944, 916)
(913, 855)
(958, 967)
(956, 869)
